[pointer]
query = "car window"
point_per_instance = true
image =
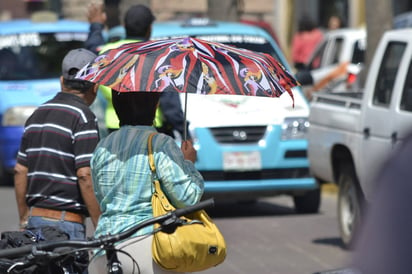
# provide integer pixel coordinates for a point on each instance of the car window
(406, 101)
(387, 73)
(250, 42)
(317, 58)
(336, 51)
(29, 56)
(358, 55)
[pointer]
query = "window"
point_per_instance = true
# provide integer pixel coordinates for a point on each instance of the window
(358, 56)
(387, 74)
(406, 101)
(336, 51)
(28, 56)
(316, 60)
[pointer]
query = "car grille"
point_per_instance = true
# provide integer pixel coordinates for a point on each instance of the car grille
(238, 135)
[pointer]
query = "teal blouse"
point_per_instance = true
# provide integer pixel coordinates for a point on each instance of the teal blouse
(122, 178)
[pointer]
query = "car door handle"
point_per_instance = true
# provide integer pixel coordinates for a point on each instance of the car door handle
(366, 132)
(394, 137)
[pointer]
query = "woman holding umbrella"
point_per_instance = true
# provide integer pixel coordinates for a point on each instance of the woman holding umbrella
(122, 177)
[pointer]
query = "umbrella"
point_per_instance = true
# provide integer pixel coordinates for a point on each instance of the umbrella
(189, 65)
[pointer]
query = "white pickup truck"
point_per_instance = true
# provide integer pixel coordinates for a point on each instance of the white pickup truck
(350, 134)
(336, 61)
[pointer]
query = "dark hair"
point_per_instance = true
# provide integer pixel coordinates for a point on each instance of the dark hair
(135, 108)
(138, 21)
(306, 24)
(79, 85)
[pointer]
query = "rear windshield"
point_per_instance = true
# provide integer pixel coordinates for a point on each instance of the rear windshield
(29, 56)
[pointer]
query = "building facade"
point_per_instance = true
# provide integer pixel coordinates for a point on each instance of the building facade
(282, 15)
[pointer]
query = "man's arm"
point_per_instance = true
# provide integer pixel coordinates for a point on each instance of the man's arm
(86, 189)
(20, 188)
(97, 19)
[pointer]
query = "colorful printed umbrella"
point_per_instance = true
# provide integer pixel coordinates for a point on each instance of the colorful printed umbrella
(189, 65)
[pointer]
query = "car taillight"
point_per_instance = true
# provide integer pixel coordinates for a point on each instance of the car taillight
(350, 79)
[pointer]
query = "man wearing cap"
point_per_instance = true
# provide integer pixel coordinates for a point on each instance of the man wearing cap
(52, 176)
(138, 22)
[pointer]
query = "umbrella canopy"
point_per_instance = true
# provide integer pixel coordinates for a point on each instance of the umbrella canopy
(189, 65)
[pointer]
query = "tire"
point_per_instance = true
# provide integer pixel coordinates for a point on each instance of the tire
(3, 179)
(349, 206)
(6, 178)
(308, 202)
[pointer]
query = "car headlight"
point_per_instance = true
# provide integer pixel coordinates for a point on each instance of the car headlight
(17, 116)
(295, 128)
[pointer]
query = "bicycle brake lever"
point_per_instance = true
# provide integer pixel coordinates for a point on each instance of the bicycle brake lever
(169, 225)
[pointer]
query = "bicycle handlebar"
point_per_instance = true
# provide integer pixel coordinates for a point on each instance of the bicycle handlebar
(104, 240)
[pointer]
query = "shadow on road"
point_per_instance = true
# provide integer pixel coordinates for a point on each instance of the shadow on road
(333, 241)
(239, 209)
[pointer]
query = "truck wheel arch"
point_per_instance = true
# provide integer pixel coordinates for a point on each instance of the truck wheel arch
(342, 158)
(350, 196)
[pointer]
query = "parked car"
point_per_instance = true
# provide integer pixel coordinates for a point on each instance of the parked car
(247, 147)
(352, 134)
(31, 51)
(336, 61)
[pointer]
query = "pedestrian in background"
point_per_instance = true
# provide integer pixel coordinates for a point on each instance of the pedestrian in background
(305, 41)
(96, 39)
(138, 23)
(335, 22)
(52, 178)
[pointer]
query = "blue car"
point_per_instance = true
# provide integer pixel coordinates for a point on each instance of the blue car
(247, 147)
(31, 52)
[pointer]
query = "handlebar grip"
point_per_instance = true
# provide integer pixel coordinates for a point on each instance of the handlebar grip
(11, 253)
(190, 209)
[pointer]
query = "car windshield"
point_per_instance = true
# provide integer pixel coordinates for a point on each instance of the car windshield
(29, 56)
(250, 42)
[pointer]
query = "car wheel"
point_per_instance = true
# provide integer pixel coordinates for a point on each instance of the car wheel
(349, 207)
(2, 175)
(6, 178)
(308, 202)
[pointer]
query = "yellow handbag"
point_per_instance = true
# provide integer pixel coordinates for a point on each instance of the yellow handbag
(195, 245)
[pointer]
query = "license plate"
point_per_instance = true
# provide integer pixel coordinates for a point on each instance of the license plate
(242, 160)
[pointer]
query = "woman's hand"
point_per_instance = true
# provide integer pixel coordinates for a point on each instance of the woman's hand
(189, 152)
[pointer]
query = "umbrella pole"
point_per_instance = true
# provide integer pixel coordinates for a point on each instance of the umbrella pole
(185, 121)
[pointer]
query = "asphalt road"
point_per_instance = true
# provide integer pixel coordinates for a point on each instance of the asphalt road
(262, 238)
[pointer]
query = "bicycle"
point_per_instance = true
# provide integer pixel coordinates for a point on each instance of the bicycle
(45, 253)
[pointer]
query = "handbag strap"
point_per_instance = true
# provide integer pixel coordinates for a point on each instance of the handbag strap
(155, 180)
(151, 158)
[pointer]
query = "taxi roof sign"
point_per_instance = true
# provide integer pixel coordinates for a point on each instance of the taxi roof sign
(44, 16)
(198, 22)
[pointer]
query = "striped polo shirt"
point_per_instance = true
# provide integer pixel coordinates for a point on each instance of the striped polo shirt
(59, 137)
